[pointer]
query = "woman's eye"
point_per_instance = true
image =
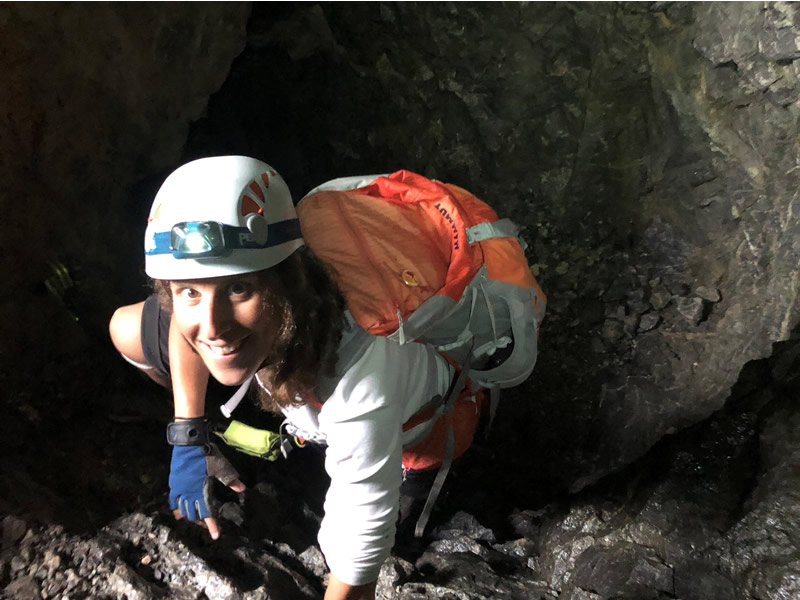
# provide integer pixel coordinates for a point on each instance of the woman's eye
(238, 288)
(189, 294)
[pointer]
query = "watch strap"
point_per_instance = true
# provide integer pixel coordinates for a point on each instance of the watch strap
(191, 432)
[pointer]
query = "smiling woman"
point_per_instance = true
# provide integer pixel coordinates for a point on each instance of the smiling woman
(240, 297)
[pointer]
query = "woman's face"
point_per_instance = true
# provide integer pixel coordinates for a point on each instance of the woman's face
(226, 321)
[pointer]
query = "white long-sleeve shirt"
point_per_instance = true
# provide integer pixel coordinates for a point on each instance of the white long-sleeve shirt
(380, 386)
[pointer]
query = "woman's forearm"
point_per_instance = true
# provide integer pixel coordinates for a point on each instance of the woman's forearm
(338, 590)
(189, 376)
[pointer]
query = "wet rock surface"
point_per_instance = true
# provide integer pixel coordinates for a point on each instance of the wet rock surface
(649, 149)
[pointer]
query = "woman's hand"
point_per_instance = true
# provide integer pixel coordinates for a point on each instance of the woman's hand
(210, 523)
(189, 482)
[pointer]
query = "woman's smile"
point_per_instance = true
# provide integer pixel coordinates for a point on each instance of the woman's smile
(224, 350)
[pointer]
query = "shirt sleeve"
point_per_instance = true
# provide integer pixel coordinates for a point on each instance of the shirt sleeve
(362, 421)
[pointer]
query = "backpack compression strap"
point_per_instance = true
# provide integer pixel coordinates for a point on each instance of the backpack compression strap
(490, 230)
(447, 460)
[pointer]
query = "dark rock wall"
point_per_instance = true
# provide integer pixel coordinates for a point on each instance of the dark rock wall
(650, 150)
(94, 98)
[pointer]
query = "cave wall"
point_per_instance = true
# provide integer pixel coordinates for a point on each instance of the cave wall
(649, 150)
(95, 97)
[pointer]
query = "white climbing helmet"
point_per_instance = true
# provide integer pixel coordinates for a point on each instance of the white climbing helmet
(222, 215)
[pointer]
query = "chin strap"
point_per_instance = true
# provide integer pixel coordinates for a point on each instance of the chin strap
(228, 408)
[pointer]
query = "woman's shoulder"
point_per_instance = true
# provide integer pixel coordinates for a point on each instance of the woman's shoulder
(363, 356)
(366, 353)
(359, 355)
(374, 370)
(355, 343)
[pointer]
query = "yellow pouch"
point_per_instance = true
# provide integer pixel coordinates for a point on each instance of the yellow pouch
(255, 442)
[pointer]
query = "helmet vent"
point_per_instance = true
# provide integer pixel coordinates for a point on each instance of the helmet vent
(257, 190)
(249, 206)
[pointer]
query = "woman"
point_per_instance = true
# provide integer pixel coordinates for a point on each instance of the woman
(240, 297)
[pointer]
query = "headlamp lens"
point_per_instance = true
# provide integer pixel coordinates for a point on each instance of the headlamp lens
(197, 239)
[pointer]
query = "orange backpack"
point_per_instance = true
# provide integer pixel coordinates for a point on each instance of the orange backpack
(419, 260)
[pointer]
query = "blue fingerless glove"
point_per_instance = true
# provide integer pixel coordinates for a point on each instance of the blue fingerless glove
(187, 482)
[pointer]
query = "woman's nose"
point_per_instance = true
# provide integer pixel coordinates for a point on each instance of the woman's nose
(217, 318)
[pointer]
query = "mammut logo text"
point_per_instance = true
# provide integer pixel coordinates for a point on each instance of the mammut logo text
(245, 238)
(449, 219)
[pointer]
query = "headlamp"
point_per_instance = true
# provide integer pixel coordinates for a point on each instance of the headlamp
(197, 239)
(208, 239)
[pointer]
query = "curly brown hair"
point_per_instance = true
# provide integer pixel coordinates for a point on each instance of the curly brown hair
(302, 293)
